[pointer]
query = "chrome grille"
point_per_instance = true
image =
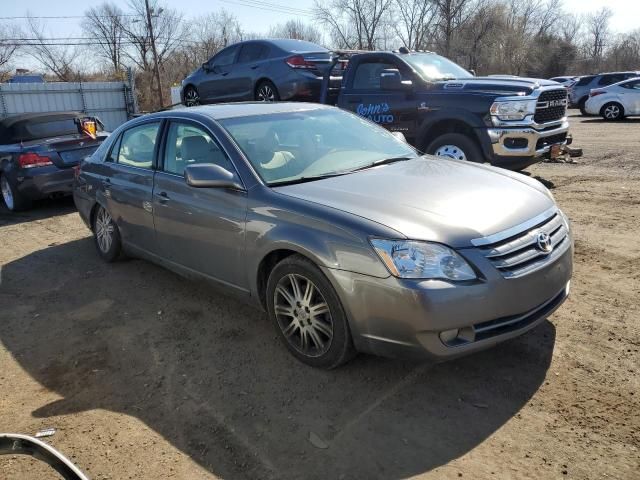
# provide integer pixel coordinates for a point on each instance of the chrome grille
(546, 108)
(520, 254)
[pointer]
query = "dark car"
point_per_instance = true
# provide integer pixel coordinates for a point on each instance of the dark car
(268, 70)
(38, 152)
(346, 235)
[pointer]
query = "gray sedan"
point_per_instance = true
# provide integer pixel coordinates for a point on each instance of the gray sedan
(346, 236)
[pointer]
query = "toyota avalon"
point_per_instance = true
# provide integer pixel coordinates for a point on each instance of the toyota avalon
(346, 236)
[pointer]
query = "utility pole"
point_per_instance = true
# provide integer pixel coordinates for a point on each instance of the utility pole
(155, 53)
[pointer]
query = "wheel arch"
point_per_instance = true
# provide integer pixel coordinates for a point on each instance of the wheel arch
(261, 80)
(433, 129)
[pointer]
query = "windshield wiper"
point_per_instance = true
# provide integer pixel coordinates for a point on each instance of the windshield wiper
(293, 181)
(384, 161)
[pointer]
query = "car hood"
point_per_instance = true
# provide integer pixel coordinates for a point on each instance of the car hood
(431, 198)
(497, 85)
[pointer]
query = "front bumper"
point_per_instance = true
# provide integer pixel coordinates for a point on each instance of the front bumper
(528, 141)
(398, 317)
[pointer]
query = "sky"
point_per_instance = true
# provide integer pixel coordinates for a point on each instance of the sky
(257, 18)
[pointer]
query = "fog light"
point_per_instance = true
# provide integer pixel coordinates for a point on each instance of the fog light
(448, 336)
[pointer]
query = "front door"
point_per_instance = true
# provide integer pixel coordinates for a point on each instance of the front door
(128, 184)
(201, 229)
(394, 110)
(219, 82)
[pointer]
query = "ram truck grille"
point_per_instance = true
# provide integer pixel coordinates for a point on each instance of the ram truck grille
(551, 106)
(522, 254)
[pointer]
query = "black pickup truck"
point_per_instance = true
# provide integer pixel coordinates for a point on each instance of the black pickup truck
(442, 109)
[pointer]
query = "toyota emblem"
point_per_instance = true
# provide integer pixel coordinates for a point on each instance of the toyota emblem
(544, 242)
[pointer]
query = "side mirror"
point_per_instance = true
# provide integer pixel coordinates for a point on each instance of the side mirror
(399, 136)
(210, 175)
(472, 72)
(390, 79)
(205, 67)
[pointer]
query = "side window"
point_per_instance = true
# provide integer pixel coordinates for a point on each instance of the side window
(367, 76)
(225, 57)
(188, 144)
(610, 79)
(585, 81)
(252, 52)
(137, 145)
(633, 85)
(115, 148)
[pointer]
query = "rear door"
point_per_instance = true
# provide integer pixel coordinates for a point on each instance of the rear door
(201, 229)
(630, 93)
(394, 110)
(127, 184)
(219, 83)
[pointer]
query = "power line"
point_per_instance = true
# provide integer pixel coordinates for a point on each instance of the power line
(60, 17)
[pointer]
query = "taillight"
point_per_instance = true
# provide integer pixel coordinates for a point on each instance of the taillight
(30, 160)
(76, 171)
(298, 61)
(596, 93)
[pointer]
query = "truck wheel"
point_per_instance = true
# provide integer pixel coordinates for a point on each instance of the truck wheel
(612, 111)
(457, 146)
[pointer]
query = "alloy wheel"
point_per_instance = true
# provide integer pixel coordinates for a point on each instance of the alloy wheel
(266, 94)
(191, 98)
(104, 230)
(303, 315)
(7, 193)
(611, 112)
(450, 151)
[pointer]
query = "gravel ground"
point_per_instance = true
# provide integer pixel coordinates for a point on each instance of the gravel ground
(146, 375)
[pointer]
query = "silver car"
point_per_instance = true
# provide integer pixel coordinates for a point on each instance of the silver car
(348, 238)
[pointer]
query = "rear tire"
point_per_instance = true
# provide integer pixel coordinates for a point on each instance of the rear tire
(612, 111)
(456, 146)
(266, 91)
(106, 235)
(582, 106)
(13, 199)
(307, 314)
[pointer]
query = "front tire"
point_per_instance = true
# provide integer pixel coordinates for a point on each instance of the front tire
(266, 92)
(612, 111)
(308, 314)
(13, 199)
(456, 146)
(191, 97)
(106, 235)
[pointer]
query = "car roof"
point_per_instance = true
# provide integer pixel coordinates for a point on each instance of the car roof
(11, 120)
(244, 109)
(294, 46)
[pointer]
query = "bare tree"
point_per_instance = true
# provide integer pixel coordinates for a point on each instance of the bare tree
(452, 15)
(8, 48)
(213, 32)
(297, 30)
(57, 58)
(598, 33)
(355, 23)
(414, 21)
(105, 24)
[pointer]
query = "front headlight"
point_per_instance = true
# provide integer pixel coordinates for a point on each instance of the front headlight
(413, 259)
(513, 109)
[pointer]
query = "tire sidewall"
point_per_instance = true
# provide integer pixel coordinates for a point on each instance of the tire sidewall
(276, 94)
(463, 142)
(620, 109)
(116, 245)
(19, 202)
(341, 349)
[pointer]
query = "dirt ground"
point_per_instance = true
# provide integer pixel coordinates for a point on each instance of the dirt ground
(146, 375)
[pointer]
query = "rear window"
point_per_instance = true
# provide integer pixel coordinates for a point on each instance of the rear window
(585, 81)
(52, 129)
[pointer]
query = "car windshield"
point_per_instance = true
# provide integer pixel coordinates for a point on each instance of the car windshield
(293, 147)
(433, 67)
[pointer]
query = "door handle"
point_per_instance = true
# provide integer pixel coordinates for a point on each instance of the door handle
(224, 74)
(254, 67)
(164, 198)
